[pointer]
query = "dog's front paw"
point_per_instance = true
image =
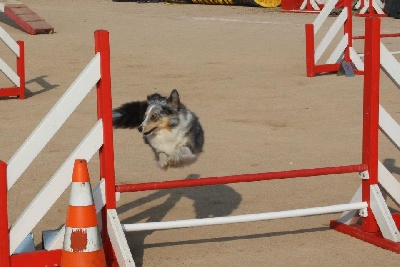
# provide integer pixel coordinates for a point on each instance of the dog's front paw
(163, 162)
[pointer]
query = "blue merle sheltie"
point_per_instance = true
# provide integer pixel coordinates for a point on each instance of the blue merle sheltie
(173, 131)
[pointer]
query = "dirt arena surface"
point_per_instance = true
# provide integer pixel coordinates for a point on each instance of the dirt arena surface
(242, 71)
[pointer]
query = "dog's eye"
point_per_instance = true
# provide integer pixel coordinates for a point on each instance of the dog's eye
(153, 117)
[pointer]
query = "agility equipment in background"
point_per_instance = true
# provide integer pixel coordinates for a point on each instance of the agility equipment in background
(82, 241)
(302, 6)
(371, 8)
(18, 77)
(28, 20)
(307, 6)
(365, 7)
(311, 6)
(260, 3)
(343, 49)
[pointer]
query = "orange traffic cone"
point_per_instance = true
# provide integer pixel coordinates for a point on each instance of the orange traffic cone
(82, 241)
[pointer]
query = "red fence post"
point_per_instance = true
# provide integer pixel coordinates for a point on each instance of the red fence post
(310, 56)
(4, 237)
(106, 152)
(21, 69)
(371, 115)
(348, 29)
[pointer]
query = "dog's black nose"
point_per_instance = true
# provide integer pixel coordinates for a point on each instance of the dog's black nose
(140, 128)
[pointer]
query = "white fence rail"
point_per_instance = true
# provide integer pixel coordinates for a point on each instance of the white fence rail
(9, 72)
(56, 117)
(38, 140)
(244, 218)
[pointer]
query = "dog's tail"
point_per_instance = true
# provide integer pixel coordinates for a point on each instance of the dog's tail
(129, 115)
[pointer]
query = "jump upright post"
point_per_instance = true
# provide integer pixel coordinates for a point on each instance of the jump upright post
(379, 226)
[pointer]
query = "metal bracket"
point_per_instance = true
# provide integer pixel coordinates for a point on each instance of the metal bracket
(364, 175)
(363, 213)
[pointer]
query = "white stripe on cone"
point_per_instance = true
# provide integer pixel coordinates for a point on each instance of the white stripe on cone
(82, 239)
(81, 194)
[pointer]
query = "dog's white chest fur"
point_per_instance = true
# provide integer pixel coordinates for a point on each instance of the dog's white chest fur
(170, 145)
(167, 141)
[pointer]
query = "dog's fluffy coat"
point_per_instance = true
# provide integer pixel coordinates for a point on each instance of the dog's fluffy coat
(172, 130)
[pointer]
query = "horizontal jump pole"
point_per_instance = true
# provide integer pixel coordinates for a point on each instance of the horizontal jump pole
(383, 35)
(240, 178)
(243, 218)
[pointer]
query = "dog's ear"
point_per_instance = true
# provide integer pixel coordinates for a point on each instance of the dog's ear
(174, 99)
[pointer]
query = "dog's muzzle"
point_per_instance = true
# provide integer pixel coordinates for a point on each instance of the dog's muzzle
(140, 129)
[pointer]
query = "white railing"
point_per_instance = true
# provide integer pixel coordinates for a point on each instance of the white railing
(390, 65)
(244, 218)
(331, 33)
(38, 140)
(56, 117)
(9, 41)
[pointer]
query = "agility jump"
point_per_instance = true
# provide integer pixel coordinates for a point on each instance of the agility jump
(378, 224)
(344, 50)
(99, 139)
(370, 8)
(18, 77)
(344, 47)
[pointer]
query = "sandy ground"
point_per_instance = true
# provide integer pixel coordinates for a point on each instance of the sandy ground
(242, 71)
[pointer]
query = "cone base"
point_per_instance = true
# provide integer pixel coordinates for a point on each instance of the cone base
(83, 259)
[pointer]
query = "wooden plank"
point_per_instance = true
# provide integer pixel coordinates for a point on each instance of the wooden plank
(27, 19)
(11, 14)
(20, 9)
(30, 17)
(41, 26)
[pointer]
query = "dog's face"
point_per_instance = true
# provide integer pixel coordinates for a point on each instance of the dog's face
(161, 113)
